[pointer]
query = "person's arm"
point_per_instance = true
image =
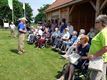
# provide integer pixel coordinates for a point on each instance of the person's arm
(99, 53)
(21, 30)
(84, 57)
(103, 40)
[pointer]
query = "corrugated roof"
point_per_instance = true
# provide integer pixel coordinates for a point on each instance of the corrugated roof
(58, 3)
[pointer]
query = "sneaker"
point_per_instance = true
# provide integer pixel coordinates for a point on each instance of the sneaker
(61, 78)
(63, 52)
(57, 49)
(53, 47)
(65, 56)
(19, 52)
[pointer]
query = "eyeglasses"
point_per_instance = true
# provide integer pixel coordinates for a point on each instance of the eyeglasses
(97, 22)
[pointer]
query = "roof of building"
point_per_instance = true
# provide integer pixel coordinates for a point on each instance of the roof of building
(62, 3)
(58, 3)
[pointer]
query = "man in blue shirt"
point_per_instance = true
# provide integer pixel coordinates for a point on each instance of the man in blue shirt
(63, 25)
(21, 35)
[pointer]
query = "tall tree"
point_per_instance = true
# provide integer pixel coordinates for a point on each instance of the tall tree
(6, 13)
(28, 12)
(41, 15)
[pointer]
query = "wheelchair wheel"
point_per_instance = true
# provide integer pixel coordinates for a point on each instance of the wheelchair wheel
(76, 77)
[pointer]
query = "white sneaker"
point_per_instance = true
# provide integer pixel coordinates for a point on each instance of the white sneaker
(61, 78)
(65, 56)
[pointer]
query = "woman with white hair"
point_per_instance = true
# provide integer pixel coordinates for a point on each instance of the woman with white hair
(98, 48)
(82, 31)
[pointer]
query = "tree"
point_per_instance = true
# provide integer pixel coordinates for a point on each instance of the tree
(41, 15)
(6, 13)
(29, 12)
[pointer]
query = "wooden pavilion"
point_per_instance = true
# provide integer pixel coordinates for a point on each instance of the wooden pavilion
(81, 13)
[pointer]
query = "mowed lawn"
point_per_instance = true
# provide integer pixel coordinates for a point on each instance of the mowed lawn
(35, 64)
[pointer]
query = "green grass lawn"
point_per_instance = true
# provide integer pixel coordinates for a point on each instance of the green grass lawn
(35, 64)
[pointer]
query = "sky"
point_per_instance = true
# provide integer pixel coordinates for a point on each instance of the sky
(36, 4)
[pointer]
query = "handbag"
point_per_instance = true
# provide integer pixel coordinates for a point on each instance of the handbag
(73, 58)
(96, 64)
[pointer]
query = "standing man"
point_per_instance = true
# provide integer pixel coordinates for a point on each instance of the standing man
(12, 29)
(21, 36)
(99, 47)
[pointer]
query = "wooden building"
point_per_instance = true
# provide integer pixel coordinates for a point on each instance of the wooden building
(81, 13)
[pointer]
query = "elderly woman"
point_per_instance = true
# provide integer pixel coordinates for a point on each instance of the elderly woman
(65, 37)
(55, 35)
(82, 49)
(67, 44)
(99, 47)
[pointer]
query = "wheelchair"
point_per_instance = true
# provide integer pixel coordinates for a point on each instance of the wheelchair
(81, 73)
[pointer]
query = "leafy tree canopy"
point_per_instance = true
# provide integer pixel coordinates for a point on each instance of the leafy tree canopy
(41, 15)
(6, 13)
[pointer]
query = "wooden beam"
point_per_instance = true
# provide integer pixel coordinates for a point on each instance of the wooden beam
(103, 4)
(72, 8)
(97, 7)
(59, 15)
(93, 5)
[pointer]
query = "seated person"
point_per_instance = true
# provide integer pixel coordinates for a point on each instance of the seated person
(69, 49)
(68, 43)
(47, 34)
(65, 37)
(82, 49)
(55, 35)
(39, 31)
(31, 37)
(91, 34)
(41, 41)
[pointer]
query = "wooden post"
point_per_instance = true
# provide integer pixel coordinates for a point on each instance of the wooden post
(72, 9)
(59, 15)
(103, 4)
(68, 14)
(97, 8)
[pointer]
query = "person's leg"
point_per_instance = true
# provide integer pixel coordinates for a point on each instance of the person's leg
(59, 43)
(104, 72)
(14, 33)
(71, 71)
(21, 42)
(55, 42)
(66, 70)
(98, 75)
(95, 75)
(11, 33)
(23, 38)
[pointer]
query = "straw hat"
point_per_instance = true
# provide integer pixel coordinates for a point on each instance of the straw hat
(23, 18)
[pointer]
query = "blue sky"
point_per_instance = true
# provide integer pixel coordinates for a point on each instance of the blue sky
(35, 4)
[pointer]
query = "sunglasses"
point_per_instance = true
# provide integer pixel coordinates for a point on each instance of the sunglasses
(97, 22)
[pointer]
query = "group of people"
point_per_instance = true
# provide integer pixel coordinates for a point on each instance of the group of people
(89, 46)
(64, 38)
(97, 49)
(47, 33)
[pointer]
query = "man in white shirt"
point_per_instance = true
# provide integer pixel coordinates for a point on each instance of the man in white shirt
(12, 29)
(66, 35)
(40, 32)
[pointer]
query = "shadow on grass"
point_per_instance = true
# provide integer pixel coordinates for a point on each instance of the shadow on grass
(14, 51)
(59, 74)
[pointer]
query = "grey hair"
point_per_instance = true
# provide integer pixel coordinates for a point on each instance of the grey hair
(75, 32)
(102, 18)
(82, 31)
